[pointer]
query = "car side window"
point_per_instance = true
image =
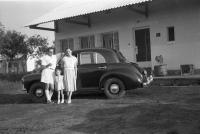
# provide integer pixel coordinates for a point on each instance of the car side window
(91, 58)
(85, 58)
(99, 58)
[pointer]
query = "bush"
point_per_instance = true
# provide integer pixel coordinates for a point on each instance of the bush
(12, 76)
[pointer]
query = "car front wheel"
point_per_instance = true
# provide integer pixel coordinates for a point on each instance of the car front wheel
(114, 88)
(37, 92)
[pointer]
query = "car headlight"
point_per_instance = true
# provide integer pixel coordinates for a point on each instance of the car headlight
(139, 80)
(145, 72)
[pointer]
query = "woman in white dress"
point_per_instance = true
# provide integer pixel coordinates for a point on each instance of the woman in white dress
(70, 73)
(47, 76)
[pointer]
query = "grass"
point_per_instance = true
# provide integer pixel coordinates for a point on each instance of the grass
(10, 87)
(157, 110)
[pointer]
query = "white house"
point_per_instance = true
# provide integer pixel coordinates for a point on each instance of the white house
(140, 29)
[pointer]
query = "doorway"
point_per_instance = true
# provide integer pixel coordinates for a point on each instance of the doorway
(143, 47)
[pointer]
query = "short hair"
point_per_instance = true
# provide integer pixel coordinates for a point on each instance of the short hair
(67, 49)
(59, 69)
(49, 48)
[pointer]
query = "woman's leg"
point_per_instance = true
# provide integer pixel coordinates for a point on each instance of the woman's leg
(62, 95)
(51, 89)
(47, 92)
(68, 93)
(58, 96)
(70, 96)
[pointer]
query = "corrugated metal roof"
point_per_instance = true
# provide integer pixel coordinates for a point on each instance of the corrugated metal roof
(74, 8)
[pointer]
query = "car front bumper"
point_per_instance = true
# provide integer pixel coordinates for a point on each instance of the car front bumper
(148, 81)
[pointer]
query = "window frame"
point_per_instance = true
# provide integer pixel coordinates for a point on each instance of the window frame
(90, 41)
(115, 39)
(68, 40)
(169, 36)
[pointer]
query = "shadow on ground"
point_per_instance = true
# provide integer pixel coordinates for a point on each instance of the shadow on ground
(141, 119)
(15, 99)
(26, 99)
(90, 96)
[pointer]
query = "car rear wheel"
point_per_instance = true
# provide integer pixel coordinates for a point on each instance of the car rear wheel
(114, 88)
(37, 92)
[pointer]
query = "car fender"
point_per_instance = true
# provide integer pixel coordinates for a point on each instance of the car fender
(29, 79)
(129, 79)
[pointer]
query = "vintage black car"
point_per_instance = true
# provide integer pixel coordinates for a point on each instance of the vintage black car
(104, 70)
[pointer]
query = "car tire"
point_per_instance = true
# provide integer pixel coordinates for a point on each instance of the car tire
(38, 97)
(114, 88)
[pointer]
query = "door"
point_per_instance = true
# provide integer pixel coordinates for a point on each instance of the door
(90, 69)
(143, 47)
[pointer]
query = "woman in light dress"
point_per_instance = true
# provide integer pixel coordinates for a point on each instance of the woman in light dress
(47, 75)
(70, 73)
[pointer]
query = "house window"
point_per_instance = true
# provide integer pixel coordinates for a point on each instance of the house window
(67, 43)
(110, 40)
(171, 33)
(87, 42)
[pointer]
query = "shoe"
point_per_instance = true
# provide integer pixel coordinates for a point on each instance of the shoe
(58, 102)
(69, 101)
(62, 101)
(49, 102)
(65, 101)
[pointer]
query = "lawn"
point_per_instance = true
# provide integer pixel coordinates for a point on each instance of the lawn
(10, 87)
(155, 110)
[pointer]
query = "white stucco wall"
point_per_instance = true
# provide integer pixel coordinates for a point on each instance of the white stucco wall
(186, 20)
(184, 15)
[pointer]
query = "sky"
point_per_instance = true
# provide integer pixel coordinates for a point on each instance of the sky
(15, 14)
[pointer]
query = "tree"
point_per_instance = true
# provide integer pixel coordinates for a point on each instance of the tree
(36, 46)
(15, 45)
(1, 32)
(11, 46)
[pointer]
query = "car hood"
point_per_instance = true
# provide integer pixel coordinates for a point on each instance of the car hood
(32, 76)
(141, 70)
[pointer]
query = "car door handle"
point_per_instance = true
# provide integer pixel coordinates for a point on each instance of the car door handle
(104, 67)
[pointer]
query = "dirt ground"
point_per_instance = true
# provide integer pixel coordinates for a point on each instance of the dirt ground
(155, 110)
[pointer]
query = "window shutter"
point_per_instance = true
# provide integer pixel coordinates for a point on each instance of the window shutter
(87, 42)
(71, 44)
(92, 42)
(116, 41)
(67, 43)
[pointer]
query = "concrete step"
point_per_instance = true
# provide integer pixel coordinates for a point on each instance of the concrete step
(176, 80)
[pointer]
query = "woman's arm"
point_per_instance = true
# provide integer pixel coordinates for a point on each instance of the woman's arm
(44, 63)
(75, 67)
(62, 62)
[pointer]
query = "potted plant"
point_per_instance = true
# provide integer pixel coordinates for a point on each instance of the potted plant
(160, 69)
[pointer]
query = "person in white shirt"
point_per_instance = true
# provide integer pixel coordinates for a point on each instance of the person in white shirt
(47, 75)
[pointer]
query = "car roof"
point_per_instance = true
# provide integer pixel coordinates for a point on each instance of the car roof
(93, 50)
(109, 54)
